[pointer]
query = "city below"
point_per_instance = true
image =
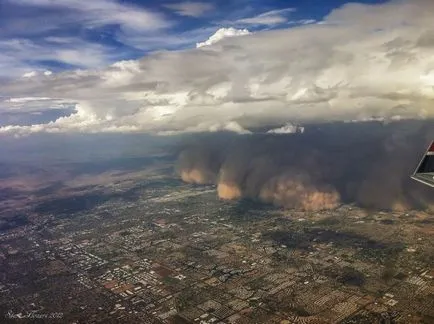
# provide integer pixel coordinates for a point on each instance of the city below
(157, 250)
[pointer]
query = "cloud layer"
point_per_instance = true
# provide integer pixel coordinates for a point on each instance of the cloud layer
(362, 62)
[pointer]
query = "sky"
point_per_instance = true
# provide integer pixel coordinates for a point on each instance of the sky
(169, 67)
(65, 34)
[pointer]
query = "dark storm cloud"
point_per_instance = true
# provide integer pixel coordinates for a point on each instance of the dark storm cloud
(365, 163)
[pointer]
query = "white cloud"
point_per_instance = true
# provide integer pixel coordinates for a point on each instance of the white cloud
(32, 105)
(160, 41)
(287, 129)
(236, 128)
(191, 9)
(306, 21)
(30, 74)
(26, 99)
(16, 53)
(273, 17)
(24, 41)
(356, 65)
(100, 12)
(221, 34)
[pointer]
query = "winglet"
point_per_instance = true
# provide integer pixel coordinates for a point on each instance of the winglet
(424, 172)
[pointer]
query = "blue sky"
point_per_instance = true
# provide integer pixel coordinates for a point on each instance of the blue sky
(57, 35)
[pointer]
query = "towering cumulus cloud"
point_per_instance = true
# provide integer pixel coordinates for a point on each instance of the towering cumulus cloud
(360, 62)
(328, 164)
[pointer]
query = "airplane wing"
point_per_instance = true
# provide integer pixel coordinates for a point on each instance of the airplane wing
(425, 170)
